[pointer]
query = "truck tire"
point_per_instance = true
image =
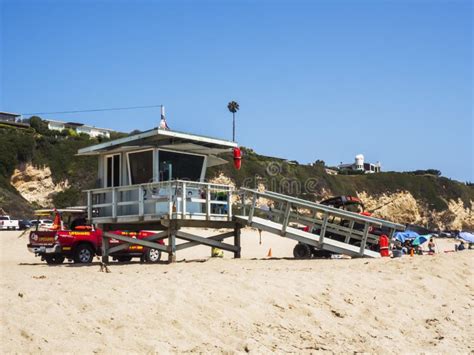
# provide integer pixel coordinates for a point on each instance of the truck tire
(83, 254)
(124, 258)
(54, 259)
(152, 255)
(302, 251)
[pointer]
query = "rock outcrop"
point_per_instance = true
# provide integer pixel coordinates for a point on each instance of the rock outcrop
(35, 184)
(402, 207)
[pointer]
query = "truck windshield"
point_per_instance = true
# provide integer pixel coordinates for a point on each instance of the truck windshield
(3, 218)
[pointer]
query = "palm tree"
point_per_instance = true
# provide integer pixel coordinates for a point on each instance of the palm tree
(233, 107)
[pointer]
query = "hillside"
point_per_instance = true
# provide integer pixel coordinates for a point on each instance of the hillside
(38, 168)
(42, 165)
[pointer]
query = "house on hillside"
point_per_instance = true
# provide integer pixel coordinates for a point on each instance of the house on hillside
(79, 128)
(360, 165)
(12, 119)
(9, 116)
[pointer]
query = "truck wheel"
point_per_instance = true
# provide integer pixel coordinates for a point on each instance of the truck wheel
(83, 254)
(302, 251)
(152, 255)
(123, 259)
(54, 259)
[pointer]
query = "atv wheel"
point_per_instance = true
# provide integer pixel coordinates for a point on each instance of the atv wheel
(302, 251)
(152, 255)
(54, 259)
(124, 259)
(83, 254)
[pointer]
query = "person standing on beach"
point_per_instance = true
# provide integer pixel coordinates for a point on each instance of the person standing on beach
(431, 246)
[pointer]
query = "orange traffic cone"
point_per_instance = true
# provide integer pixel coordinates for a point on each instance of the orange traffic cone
(269, 253)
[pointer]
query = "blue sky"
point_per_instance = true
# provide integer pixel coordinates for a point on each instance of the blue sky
(314, 79)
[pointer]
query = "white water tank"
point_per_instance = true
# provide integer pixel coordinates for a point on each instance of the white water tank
(359, 162)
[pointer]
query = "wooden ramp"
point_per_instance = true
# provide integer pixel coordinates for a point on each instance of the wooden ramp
(306, 237)
(328, 228)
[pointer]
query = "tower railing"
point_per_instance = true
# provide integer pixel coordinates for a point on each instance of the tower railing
(176, 199)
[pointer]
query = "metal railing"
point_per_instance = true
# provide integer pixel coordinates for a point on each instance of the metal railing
(176, 199)
(324, 221)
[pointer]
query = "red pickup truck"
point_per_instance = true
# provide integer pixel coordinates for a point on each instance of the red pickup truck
(80, 242)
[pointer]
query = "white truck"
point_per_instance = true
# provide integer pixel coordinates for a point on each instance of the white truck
(6, 223)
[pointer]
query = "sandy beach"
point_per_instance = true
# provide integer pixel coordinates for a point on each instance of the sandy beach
(421, 304)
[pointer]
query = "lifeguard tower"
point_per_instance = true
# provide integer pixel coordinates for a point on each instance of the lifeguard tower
(155, 180)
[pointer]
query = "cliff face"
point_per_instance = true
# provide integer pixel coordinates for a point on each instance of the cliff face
(38, 168)
(402, 207)
(35, 184)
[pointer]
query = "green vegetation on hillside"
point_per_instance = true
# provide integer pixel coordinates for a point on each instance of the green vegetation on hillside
(42, 147)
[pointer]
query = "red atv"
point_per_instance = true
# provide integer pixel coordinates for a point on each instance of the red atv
(72, 238)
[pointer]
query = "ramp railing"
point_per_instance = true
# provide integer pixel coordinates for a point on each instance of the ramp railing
(324, 222)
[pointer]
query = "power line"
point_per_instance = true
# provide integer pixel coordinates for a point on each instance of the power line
(93, 110)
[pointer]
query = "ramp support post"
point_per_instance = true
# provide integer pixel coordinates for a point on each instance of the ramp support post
(390, 238)
(364, 239)
(323, 228)
(286, 218)
(252, 208)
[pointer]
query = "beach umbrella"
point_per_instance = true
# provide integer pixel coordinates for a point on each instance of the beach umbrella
(468, 237)
(407, 235)
(421, 239)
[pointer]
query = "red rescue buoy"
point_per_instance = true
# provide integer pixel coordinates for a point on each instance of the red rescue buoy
(383, 244)
(237, 158)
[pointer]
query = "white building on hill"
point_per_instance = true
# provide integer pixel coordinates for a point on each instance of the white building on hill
(360, 165)
(79, 128)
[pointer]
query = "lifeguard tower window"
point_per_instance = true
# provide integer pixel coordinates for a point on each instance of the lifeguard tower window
(141, 167)
(113, 170)
(179, 166)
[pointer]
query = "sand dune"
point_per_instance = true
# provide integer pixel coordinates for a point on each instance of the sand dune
(419, 304)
